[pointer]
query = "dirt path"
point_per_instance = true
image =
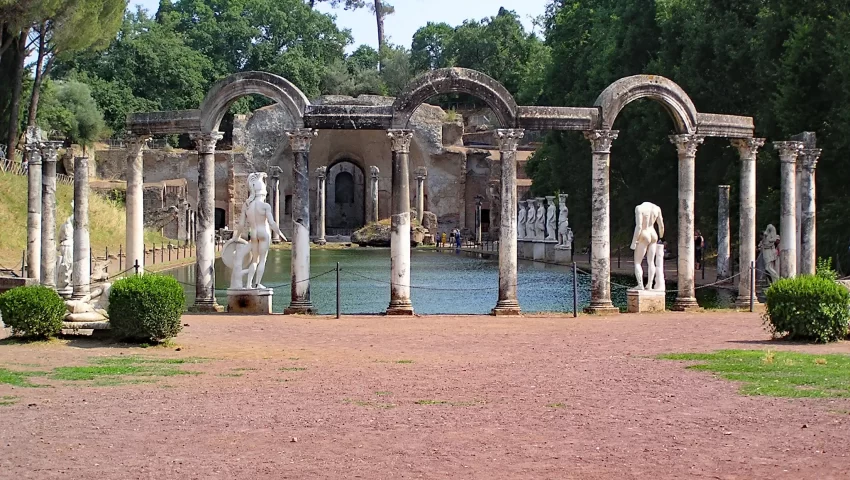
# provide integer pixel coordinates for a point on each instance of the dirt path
(429, 397)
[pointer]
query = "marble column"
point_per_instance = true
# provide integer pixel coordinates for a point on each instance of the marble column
(421, 173)
(400, 227)
(373, 213)
(205, 301)
(788, 153)
(33, 146)
(274, 187)
(135, 225)
(600, 244)
(81, 274)
(798, 203)
(300, 140)
(321, 200)
(478, 199)
(724, 248)
(508, 303)
(808, 226)
(48, 214)
(686, 145)
(748, 150)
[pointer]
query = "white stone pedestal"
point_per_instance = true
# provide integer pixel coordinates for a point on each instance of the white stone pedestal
(539, 251)
(563, 256)
(526, 249)
(645, 301)
(249, 301)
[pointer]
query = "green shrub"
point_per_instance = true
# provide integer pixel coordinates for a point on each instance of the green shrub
(808, 307)
(824, 269)
(146, 307)
(33, 311)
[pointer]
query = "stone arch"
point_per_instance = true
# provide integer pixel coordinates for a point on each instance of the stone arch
(454, 80)
(663, 90)
(229, 89)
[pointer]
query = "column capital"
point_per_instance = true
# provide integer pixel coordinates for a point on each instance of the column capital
(508, 138)
(788, 151)
(374, 172)
(748, 148)
(50, 151)
(322, 173)
(687, 144)
(421, 173)
(809, 158)
(205, 142)
(136, 143)
(601, 140)
(400, 139)
(301, 139)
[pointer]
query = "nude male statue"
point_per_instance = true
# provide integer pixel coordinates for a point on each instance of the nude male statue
(257, 219)
(645, 239)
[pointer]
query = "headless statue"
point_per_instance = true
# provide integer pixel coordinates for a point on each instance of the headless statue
(65, 259)
(645, 240)
(520, 224)
(769, 254)
(257, 219)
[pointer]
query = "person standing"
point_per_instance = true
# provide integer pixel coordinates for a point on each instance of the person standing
(699, 246)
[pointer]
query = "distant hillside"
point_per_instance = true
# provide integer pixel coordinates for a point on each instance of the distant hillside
(106, 220)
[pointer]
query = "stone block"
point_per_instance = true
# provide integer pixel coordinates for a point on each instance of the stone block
(563, 256)
(645, 301)
(539, 249)
(249, 301)
(8, 283)
(526, 250)
(549, 252)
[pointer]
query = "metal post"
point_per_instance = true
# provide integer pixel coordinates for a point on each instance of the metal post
(106, 257)
(337, 291)
(91, 259)
(120, 254)
(161, 252)
(153, 254)
(619, 255)
(136, 266)
(24, 265)
(169, 251)
(575, 290)
(752, 286)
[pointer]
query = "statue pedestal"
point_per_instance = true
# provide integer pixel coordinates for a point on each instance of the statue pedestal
(563, 256)
(525, 249)
(256, 301)
(645, 301)
(539, 251)
(65, 292)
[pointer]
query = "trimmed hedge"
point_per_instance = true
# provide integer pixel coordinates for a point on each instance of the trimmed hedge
(808, 307)
(146, 307)
(33, 311)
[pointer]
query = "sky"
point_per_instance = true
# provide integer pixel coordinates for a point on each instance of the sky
(410, 15)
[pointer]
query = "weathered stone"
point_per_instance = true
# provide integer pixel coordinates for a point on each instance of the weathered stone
(250, 301)
(748, 150)
(300, 141)
(48, 214)
(687, 148)
(788, 153)
(508, 303)
(429, 222)
(205, 242)
(81, 276)
(34, 179)
(400, 225)
(724, 250)
(645, 301)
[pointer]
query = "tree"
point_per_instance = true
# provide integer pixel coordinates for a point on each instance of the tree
(70, 109)
(430, 48)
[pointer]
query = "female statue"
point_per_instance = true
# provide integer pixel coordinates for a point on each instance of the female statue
(550, 220)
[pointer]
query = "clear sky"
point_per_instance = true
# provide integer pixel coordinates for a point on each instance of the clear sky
(410, 15)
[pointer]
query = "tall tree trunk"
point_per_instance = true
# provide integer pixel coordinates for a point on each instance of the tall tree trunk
(379, 16)
(17, 85)
(39, 76)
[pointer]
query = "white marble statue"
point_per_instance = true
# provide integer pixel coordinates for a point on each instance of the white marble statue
(257, 223)
(540, 220)
(563, 223)
(531, 221)
(65, 259)
(551, 215)
(769, 254)
(520, 224)
(645, 240)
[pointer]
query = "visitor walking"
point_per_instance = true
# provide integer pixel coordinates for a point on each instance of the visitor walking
(699, 245)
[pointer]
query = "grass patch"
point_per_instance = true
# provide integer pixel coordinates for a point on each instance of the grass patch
(231, 374)
(383, 394)
(292, 369)
(557, 405)
(776, 374)
(244, 369)
(106, 371)
(361, 403)
(431, 402)
(7, 400)
(404, 361)
(19, 379)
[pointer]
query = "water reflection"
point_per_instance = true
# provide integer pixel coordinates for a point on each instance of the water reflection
(443, 283)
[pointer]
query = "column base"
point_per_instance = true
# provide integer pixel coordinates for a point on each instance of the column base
(685, 304)
(321, 241)
(206, 307)
(506, 308)
(399, 309)
(743, 303)
(300, 308)
(602, 308)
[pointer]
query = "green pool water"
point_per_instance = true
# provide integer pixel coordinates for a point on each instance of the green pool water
(443, 283)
